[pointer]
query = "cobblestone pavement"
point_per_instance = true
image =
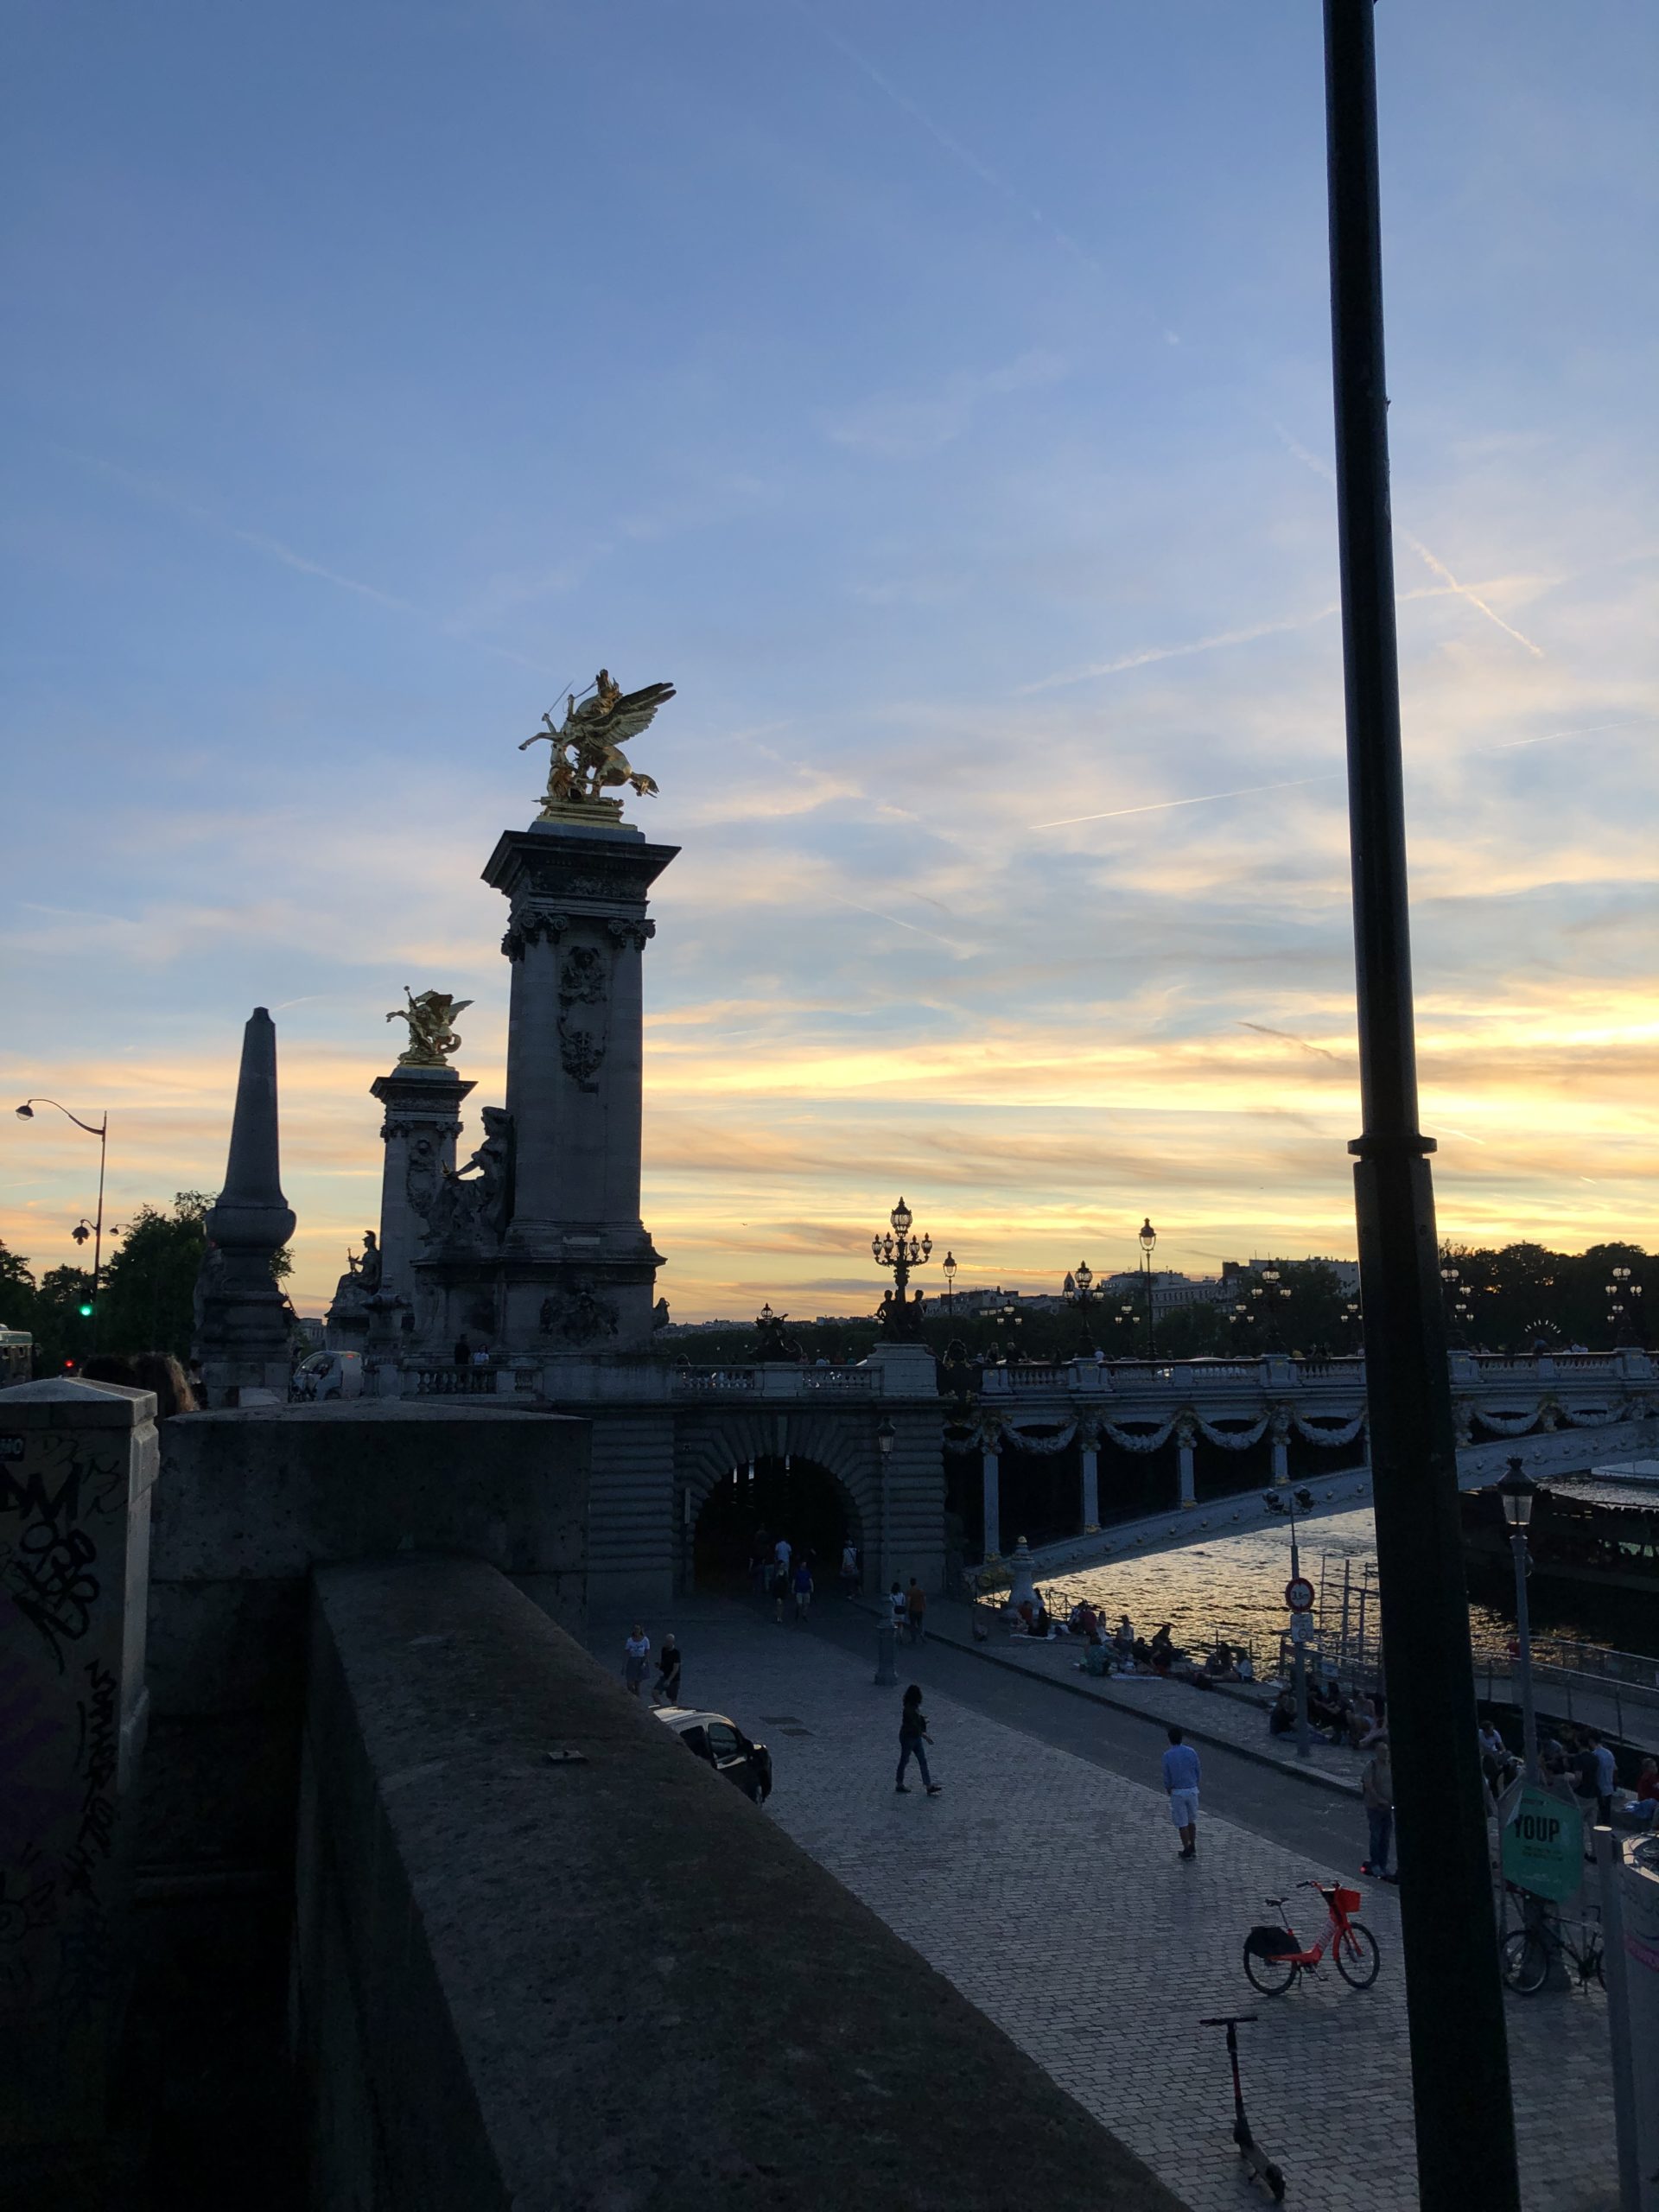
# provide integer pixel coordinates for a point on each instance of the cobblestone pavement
(1048, 1891)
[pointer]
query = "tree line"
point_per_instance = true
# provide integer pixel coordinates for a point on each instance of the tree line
(145, 1301)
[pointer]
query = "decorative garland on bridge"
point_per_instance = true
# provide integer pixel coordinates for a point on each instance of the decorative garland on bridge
(1335, 1433)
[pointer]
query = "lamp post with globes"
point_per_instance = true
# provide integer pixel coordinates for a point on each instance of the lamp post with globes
(900, 1251)
(886, 1628)
(26, 1113)
(948, 1264)
(1625, 1290)
(1267, 1297)
(1148, 1241)
(1518, 1492)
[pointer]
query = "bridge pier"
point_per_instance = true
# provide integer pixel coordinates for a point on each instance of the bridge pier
(1187, 1437)
(1088, 1443)
(990, 1475)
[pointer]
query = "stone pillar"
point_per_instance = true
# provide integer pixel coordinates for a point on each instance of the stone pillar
(76, 1463)
(1089, 1444)
(241, 1317)
(578, 1269)
(990, 1467)
(422, 1122)
(1279, 1432)
(1187, 1437)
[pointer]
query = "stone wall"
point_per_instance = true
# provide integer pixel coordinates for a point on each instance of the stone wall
(248, 1503)
(610, 1981)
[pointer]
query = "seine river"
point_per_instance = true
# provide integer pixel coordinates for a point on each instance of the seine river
(1236, 1584)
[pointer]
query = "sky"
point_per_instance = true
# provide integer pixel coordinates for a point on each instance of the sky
(938, 395)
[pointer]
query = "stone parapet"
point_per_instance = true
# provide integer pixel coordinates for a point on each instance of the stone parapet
(491, 1946)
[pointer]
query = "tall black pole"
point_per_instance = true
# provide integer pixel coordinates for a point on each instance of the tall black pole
(1459, 2058)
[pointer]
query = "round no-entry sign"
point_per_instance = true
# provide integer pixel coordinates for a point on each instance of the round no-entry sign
(1298, 1594)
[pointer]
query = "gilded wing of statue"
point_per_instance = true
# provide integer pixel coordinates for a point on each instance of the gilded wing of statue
(588, 755)
(431, 1039)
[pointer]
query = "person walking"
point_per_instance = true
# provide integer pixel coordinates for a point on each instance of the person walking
(849, 1569)
(781, 1551)
(1376, 1795)
(1606, 1778)
(781, 1581)
(1181, 1788)
(803, 1590)
(915, 1609)
(636, 1658)
(912, 1734)
(896, 1606)
(667, 1691)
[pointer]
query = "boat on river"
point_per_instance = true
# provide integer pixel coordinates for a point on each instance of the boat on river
(1596, 1529)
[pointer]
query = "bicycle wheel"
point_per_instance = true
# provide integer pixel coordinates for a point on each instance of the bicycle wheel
(1356, 1955)
(1272, 1977)
(1526, 1961)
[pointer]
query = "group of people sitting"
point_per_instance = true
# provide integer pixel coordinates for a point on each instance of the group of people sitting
(1333, 1715)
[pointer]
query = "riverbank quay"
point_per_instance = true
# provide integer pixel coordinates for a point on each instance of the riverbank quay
(1045, 1885)
(1229, 1717)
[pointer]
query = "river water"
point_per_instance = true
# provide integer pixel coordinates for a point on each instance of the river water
(1235, 1586)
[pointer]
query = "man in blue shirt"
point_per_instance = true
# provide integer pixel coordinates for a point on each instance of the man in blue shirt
(1181, 1787)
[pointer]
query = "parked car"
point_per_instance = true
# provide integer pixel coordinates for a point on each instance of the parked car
(329, 1375)
(724, 1746)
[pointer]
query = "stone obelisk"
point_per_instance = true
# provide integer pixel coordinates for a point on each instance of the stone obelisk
(242, 1338)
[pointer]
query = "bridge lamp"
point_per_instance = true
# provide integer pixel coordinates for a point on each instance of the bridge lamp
(1518, 1492)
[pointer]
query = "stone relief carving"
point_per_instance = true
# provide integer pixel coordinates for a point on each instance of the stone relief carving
(531, 926)
(421, 1173)
(636, 934)
(582, 981)
(580, 1314)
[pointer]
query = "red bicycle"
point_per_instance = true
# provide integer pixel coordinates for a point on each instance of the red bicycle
(1273, 1957)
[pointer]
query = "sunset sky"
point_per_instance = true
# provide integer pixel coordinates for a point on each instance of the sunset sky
(938, 395)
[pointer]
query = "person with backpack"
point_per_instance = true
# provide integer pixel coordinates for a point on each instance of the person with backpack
(912, 1734)
(1376, 1795)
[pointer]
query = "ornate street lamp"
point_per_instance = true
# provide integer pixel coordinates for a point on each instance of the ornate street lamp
(1355, 1320)
(949, 1263)
(901, 1252)
(26, 1113)
(1456, 1309)
(886, 1630)
(1625, 1290)
(1148, 1241)
(1517, 1493)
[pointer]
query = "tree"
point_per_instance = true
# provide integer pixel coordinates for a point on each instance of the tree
(17, 1291)
(62, 1332)
(148, 1297)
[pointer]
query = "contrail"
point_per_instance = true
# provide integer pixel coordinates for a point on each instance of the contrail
(1177, 652)
(1318, 1051)
(1435, 565)
(971, 162)
(1163, 805)
(1590, 730)
(897, 923)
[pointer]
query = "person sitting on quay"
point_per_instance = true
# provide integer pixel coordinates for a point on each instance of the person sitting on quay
(1163, 1651)
(1123, 1640)
(1246, 1665)
(1281, 1720)
(1218, 1664)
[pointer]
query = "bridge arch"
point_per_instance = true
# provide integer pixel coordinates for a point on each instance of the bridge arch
(815, 1479)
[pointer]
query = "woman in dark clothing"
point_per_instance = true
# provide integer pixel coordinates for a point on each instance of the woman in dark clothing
(912, 1734)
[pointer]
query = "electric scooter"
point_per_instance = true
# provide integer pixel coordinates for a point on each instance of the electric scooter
(1261, 2165)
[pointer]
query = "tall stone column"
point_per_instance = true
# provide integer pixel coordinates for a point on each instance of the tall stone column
(1279, 1430)
(423, 1120)
(241, 1316)
(990, 1472)
(1187, 1437)
(578, 1266)
(1089, 1446)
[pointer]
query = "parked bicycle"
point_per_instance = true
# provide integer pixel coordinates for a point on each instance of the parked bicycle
(1273, 1957)
(1526, 1951)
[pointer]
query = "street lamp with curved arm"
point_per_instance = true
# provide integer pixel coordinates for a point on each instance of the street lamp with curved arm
(26, 1113)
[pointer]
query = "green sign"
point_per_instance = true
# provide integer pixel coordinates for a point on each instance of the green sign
(1543, 1845)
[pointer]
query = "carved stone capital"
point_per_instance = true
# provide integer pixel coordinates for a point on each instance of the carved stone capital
(636, 934)
(533, 925)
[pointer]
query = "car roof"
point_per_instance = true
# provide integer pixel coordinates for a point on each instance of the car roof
(684, 1716)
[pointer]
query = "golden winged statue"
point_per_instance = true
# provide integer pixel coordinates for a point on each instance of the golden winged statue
(431, 1039)
(588, 755)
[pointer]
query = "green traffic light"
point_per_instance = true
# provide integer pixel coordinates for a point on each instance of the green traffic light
(86, 1310)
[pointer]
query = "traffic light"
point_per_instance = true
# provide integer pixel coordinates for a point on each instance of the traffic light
(84, 1309)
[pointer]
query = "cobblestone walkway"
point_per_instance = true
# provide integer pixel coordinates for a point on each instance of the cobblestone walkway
(1049, 1891)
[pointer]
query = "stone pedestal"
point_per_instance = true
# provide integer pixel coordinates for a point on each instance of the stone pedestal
(423, 1120)
(76, 1463)
(561, 1266)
